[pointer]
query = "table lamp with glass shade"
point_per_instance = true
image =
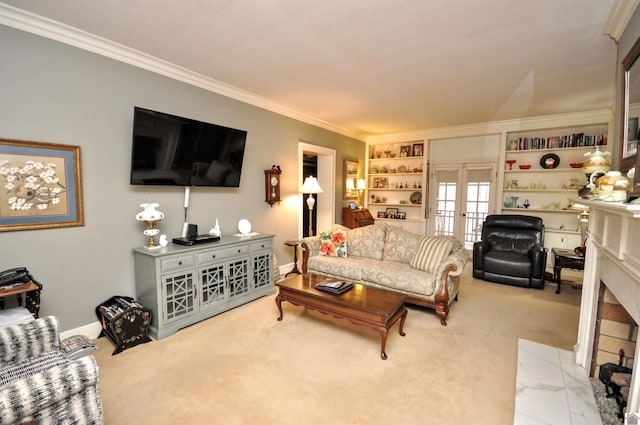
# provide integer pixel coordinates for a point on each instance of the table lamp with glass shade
(583, 220)
(150, 216)
(361, 187)
(311, 186)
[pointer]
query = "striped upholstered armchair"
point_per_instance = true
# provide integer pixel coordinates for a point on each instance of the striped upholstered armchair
(39, 383)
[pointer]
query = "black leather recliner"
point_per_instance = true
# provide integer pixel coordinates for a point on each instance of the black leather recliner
(511, 251)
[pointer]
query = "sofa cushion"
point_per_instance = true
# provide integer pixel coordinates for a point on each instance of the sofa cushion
(430, 252)
(333, 244)
(367, 241)
(521, 246)
(400, 245)
(347, 268)
(401, 277)
(507, 263)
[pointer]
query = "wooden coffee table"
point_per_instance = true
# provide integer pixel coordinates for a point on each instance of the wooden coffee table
(362, 305)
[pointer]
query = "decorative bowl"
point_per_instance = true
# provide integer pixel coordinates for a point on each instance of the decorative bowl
(576, 164)
(524, 166)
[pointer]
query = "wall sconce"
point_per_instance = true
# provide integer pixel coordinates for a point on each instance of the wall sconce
(361, 187)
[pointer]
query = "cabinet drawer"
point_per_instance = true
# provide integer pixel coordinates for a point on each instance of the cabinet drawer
(219, 254)
(262, 245)
(174, 263)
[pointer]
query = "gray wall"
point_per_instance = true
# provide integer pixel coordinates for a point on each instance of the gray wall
(51, 92)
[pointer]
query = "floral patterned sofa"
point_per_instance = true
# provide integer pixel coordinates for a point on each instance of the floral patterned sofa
(426, 269)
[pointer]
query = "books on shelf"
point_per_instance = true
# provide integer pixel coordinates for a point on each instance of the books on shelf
(575, 140)
(334, 286)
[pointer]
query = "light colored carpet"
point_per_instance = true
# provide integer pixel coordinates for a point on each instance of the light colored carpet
(245, 367)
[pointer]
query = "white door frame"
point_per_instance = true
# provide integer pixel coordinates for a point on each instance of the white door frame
(326, 178)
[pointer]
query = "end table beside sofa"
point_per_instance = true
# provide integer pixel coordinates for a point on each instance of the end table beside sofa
(426, 269)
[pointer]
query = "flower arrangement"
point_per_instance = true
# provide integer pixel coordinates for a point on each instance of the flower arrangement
(34, 185)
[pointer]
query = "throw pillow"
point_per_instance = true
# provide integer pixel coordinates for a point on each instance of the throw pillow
(430, 252)
(400, 244)
(333, 244)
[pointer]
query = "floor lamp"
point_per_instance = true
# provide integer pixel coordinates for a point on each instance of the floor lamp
(311, 186)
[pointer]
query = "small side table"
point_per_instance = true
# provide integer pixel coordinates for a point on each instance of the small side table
(30, 290)
(567, 259)
(294, 243)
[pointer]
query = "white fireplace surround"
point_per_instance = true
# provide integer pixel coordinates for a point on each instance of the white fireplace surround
(613, 257)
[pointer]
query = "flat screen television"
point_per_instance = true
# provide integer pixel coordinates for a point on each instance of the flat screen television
(175, 151)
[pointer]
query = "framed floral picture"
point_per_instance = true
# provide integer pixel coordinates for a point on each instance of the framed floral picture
(41, 185)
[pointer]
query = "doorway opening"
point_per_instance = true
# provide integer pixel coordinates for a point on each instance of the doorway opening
(323, 213)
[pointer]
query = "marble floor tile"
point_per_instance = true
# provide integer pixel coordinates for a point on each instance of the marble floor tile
(551, 388)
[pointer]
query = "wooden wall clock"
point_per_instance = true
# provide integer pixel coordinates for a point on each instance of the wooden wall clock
(272, 185)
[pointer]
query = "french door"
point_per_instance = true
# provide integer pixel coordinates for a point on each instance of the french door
(461, 197)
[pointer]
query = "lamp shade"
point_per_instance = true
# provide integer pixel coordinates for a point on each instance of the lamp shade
(311, 185)
(350, 184)
(361, 185)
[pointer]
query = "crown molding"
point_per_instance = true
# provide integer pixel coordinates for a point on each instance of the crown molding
(39, 25)
(601, 116)
(619, 16)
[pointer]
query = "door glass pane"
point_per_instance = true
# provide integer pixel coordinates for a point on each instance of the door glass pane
(446, 181)
(477, 208)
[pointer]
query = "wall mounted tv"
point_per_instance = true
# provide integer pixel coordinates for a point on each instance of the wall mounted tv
(174, 151)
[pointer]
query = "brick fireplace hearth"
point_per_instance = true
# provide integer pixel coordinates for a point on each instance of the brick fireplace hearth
(615, 330)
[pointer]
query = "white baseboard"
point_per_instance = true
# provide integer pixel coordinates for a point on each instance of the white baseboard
(92, 330)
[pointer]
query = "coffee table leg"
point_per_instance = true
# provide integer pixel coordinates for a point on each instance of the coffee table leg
(279, 304)
(383, 354)
(402, 319)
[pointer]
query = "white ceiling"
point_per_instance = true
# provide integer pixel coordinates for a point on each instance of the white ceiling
(375, 66)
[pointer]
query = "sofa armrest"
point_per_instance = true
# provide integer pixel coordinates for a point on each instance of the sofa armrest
(447, 273)
(480, 248)
(538, 256)
(454, 264)
(27, 340)
(310, 247)
(23, 399)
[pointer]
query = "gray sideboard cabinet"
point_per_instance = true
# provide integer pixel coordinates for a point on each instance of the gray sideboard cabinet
(186, 284)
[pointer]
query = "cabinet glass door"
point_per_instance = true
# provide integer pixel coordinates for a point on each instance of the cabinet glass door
(238, 277)
(180, 294)
(213, 285)
(261, 270)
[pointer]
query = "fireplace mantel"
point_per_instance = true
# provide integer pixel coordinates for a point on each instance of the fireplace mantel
(613, 257)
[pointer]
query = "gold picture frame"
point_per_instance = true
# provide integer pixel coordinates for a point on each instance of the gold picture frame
(41, 185)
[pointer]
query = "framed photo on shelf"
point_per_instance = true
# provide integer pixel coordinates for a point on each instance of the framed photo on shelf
(380, 182)
(401, 215)
(391, 212)
(352, 205)
(381, 214)
(417, 149)
(42, 185)
(405, 150)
